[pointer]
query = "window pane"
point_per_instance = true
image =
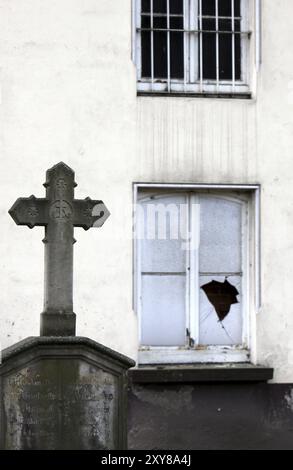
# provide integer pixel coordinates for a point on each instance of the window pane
(145, 6)
(176, 7)
(164, 226)
(224, 7)
(145, 54)
(237, 7)
(163, 311)
(209, 49)
(218, 298)
(209, 56)
(160, 6)
(160, 48)
(176, 48)
(208, 7)
(225, 42)
(220, 235)
(225, 25)
(209, 24)
(225, 57)
(237, 51)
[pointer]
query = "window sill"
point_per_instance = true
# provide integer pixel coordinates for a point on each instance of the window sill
(203, 373)
(227, 96)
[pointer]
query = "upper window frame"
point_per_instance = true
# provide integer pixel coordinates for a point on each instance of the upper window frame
(193, 83)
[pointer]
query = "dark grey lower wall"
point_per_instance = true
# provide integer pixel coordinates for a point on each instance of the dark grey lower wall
(210, 416)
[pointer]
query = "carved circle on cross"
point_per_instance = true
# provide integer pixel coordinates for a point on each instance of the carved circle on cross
(60, 210)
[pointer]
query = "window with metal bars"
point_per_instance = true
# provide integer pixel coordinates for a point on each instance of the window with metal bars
(192, 46)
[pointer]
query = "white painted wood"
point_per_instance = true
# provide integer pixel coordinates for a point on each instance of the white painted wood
(181, 356)
(236, 327)
(194, 224)
(258, 29)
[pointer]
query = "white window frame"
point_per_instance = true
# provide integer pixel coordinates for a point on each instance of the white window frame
(193, 82)
(251, 291)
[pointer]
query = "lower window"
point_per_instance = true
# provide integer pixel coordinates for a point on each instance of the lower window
(193, 275)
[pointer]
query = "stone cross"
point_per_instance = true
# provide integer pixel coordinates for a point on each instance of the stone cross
(59, 213)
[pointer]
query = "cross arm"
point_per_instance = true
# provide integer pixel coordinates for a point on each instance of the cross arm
(30, 211)
(89, 213)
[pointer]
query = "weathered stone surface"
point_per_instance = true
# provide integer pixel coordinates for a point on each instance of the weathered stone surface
(63, 393)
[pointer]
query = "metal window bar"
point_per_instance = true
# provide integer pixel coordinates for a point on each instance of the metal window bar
(187, 31)
(168, 47)
(163, 15)
(233, 45)
(185, 62)
(182, 30)
(152, 44)
(200, 48)
(174, 15)
(217, 45)
(192, 42)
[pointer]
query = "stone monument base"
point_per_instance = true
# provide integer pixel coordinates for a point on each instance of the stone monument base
(63, 393)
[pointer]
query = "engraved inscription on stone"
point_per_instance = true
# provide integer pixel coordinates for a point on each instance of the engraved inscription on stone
(32, 212)
(66, 404)
(60, 210)
(61, 184)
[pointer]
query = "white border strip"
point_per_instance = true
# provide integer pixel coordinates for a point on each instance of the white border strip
(197, 186)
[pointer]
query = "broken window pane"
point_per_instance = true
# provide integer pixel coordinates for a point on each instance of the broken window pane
(220, 321)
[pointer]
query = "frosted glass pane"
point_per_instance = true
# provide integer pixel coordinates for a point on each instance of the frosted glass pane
(163, 227)
(163, 310)
(220, 235)
(216, 301)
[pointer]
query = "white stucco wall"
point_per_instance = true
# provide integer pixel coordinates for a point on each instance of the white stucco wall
(68, 92)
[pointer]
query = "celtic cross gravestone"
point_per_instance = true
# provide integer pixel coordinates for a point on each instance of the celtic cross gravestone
(59, 213)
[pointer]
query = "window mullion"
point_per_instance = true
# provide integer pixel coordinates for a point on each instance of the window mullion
(194, 237)
(138, 39)
(188, 261)
(139, 228)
